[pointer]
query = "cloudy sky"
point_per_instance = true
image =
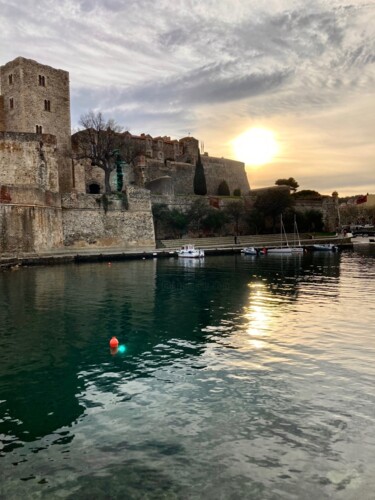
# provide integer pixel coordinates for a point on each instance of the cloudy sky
(214, 69)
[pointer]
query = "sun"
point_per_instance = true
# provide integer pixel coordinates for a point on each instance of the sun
(256, 146)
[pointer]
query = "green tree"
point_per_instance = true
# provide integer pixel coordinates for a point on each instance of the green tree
(235, 210)
(314, 220)
(273, 203)
(178, 221)
(200, 186)
(291, 182)
(308, 193)
(214, 220)
(223, 189)
(254, 220)
(160, 214)
(198, 211)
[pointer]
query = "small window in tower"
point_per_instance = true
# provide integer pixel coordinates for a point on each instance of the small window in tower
(42, 80)
(47, 105)
(10, 77)
(39, 129)
(11, 103)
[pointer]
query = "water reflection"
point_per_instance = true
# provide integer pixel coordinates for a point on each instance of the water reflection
(240, 354)
(57, 322)
(258, 316)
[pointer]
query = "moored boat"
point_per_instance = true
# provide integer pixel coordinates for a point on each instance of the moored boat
(284, 249)
(297, 247)
(189, 251)
(280, 250)
(326, 247)
(250, 251)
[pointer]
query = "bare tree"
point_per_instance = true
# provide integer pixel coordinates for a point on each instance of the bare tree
(96, 141)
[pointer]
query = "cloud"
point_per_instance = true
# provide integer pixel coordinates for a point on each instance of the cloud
(207, 67)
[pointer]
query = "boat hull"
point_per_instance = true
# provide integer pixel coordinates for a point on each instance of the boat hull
(190, 252)
(192, 255)
(297, 249)
(325, 247)
(250, 251)
(280, 251)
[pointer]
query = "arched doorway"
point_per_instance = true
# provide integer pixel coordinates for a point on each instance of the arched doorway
(94, 188)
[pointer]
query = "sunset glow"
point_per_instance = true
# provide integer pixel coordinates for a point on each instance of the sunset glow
(256, 147)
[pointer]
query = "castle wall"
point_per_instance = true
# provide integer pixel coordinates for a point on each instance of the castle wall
(88, 221)
(327, 205)
(2, 114)
(218, 169)
(30, 220)
(183, 203)
(28, 160)
(163, 185)
(215, 169)
(38, 95)
(30, 207)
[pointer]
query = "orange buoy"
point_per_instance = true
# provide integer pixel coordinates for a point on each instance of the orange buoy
(113, 343)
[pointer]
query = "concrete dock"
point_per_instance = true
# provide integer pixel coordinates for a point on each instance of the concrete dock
(166, 249)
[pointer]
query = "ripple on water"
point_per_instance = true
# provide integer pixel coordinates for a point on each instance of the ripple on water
(259, 372)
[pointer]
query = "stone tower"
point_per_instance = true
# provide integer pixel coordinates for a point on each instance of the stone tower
(35, 99)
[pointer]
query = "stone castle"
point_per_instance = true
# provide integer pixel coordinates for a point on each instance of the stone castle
(49, 200)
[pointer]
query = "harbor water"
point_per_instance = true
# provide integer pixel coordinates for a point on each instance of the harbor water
(241, 378)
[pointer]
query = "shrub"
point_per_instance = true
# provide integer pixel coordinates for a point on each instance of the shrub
(223, 189)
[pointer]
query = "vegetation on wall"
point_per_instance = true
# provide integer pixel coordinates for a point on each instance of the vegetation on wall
(198, 211)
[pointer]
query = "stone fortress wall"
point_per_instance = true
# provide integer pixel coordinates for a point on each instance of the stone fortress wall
(30, 205)
(87, 222)
(43, 204)
(37, 100)
(161, 157)
(32, 158)
(182, 175)
(46, 198)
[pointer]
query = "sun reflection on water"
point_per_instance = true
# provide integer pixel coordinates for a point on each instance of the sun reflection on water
(257, 314)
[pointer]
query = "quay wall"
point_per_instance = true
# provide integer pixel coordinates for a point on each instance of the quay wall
(29, 229)
(108, 220)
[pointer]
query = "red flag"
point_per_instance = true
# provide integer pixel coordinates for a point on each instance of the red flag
(361, 199)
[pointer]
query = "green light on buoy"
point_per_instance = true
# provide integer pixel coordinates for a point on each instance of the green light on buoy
(121, 348)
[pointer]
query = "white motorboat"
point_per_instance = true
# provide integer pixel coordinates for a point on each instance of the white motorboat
(189, 251)
(250, 251)
(326, 247)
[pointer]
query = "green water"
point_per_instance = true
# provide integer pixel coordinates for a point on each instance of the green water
(242, 378)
